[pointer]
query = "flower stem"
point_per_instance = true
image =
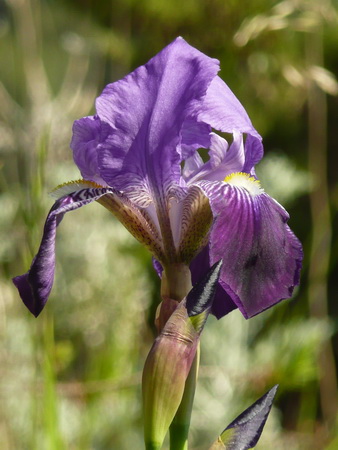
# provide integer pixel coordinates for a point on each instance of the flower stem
(176, 281)
(179, 428)
(153, 446)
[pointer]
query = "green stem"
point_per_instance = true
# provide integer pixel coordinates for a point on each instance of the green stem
(176, 281)
(153, 446)
(179, 428)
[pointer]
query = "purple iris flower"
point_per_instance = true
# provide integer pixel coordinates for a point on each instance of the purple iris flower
(139, 157)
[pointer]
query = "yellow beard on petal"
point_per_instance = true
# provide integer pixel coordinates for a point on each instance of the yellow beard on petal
(246, 181)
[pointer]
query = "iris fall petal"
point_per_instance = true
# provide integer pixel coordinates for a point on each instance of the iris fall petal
(261, 256)
(35, 285)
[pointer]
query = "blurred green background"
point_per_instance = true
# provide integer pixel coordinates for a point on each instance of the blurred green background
(71, 379)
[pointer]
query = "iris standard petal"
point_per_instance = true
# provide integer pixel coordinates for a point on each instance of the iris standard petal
(223, 111)
(194, 135)
(261, 256)
(224, 159)
(192, 165)
(253, 154)
(88, 133)
(146, 111)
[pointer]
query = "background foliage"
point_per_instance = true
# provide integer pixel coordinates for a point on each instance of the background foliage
(71, 379)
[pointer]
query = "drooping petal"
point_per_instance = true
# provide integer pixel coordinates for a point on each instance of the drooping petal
(141, 223)
(146, 111)
(35, 286)
(261, 256)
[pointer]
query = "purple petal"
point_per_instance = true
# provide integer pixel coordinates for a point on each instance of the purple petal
(222, 111)
(35, 285)
(192, 165)
(253, 154)
(88, 133)
(194, 135)
(200, 265)
(146, 111)
(261, 256)
(223, 161)
(157, 266)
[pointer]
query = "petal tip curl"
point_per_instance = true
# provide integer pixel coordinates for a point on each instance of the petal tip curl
(21, 282)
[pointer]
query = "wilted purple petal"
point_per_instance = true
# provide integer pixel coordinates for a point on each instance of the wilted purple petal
(261, 256)
(35, 285)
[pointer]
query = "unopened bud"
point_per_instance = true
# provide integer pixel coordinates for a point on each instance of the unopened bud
(170, 359)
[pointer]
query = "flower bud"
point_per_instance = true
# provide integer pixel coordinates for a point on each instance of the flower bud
(244, 432)
(170, 359)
